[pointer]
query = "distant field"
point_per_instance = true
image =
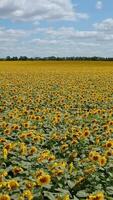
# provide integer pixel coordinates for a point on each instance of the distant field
(82, 66)
(56, 130)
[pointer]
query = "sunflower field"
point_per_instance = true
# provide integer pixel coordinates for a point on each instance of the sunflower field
(56, 130)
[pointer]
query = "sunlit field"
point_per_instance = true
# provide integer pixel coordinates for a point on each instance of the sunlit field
(56, 130)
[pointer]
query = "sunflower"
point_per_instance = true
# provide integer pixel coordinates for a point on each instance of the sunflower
(86, 133)
(57, 172)
(39, 172)
(13, 184)
(33, 150)
(51, 158)
(96, 157)
(4, 197)
(93, 155)
(64, 147)
(109, 153)
(97, 196)
(43, 180)
(23, 149)
(2, 140)
(7, 131)
(27, 194)
(5, 153)
(22, 136)
(16, 127)
(66, 197)
(109, 144)
(26, 124)
(8, 146)
(100, 195)
(17, 170)
(92, 197)
(102, 160)
(111, 123)
(30, 185)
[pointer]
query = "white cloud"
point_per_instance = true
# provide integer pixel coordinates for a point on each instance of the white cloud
(105, 25)
(62, 41)
(11, 34)
(36, 10)
(68, 33)
(99, 5)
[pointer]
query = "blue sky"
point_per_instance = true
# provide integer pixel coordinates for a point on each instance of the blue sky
(56, 27)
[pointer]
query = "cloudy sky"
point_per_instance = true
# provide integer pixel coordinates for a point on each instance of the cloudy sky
(56, 27)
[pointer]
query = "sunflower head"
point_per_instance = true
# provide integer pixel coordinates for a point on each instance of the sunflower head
(102, 160)
(27, 194)
(4, 197)
(13, 184)
(43, 180)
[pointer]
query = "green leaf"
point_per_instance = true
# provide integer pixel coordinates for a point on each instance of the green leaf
(82, 194)
(71, 184)
(63, 191)
(75, 198)
(49, 195)
(109, 190)
(109, 198)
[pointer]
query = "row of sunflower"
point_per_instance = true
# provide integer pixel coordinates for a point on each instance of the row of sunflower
(56, 131)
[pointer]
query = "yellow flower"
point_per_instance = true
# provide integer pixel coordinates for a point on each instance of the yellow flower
(29, 135)
(97, 196)
(74, 141)
(109, 153)
(4, 173)
(100, 195)
(23, 149)
(5, 153)
(2, 140)
(13, 184)
(3, 184)
(39, 137)
(71, 166)
(109, 144)
(4, 197)
(7, 131)
(91, 197)
(94, 156)
(32, 150)
(90, 155)
(23, 136)
(43, 156)
(66, 197)
(43, 180)
(61, 164)
(64, 147)
(57, 172)
(39, 172)
(111, 123)
(17, 170)
(26, 124)
(8, 146)
(86, 133)
(30, 184)
(102, 160)
(28, 194)
(51, 158)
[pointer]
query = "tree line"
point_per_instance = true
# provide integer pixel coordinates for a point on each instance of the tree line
(54, 58)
